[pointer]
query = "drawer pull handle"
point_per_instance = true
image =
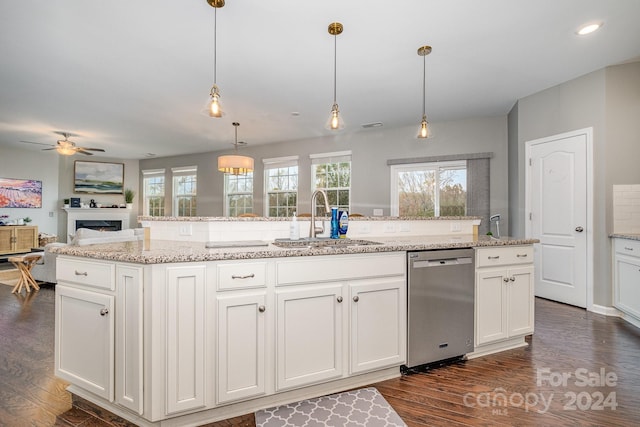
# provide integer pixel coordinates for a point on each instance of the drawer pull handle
(339, 299)
(247, 276)
(356, 298)
(81, 273)
(104, 312)
(628, 249)
(262, 309)
(521, 255)
(494, 257)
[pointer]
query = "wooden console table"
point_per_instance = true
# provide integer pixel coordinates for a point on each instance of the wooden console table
(18, 238)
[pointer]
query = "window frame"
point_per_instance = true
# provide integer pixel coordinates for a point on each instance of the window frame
(279, 163)
(333, 158)
(179, 172)
(152, 174)
(227, 194)
(423, 166)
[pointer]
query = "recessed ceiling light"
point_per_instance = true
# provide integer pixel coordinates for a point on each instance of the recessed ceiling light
(589, 28)
(295, 113)
(372, 125)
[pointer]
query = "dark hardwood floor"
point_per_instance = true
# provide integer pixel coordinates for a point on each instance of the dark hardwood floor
(520, 387)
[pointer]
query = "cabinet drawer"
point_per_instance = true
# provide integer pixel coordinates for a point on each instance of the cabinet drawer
(241, 275)
(90, 273)
(628, 247)
(488, 257)
(330, 268)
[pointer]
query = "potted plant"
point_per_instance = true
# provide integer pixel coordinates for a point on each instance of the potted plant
(129, 194)
(27, 220)
(66, 203)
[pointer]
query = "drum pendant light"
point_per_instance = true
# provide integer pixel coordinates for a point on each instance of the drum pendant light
(335, 121)
(235, 164)
(213, 106)
(425, 131)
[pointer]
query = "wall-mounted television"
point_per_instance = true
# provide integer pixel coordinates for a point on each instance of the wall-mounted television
(20, 193)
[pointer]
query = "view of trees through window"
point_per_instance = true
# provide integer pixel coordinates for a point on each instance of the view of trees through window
(335, 180)
(282, 191)
(239, 194)
(154, 195)
(432, 191)
(184, 190)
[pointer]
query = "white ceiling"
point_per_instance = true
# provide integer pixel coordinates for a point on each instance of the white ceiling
(132, 77)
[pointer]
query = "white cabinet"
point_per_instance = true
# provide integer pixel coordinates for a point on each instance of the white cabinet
(128, 337)
(504, 306)
(84, 340)
(378, 323)
(626, 278)
(185, 338)
(309, 334)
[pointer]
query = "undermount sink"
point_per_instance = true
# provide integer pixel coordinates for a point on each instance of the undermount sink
(322, 243)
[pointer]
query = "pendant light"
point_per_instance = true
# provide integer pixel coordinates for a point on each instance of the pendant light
(213, 106)
(335, 121)
(235, 164)
(425, 131)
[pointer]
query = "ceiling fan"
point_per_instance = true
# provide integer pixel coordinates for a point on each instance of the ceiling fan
(66, 147)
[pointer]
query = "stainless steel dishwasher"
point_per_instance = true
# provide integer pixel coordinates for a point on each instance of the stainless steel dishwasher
(440, 313)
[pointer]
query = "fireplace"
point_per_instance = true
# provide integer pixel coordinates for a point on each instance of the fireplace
(100, 225)
(108, 219)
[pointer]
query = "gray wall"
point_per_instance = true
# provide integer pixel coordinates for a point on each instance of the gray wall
(370, 151)
(607, 100)
(37, 166)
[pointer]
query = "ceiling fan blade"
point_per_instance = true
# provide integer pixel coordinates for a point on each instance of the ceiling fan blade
(47, 149)
(39, 143)
(93, 149)
(80, 150)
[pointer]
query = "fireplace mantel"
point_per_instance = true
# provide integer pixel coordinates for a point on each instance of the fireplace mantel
(108, 214)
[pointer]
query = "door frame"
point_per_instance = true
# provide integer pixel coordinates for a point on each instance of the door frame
(588, 132)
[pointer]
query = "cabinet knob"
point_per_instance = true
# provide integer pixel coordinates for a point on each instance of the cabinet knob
(356, 298)
(261, 308)
(512, 278)
(579, 229)
(104, 311)
(339, 299)
(505, 279)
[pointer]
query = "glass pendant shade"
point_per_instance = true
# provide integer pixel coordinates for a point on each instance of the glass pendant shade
(335, 121)
(234, 164)
(213, 107)
(425, 130)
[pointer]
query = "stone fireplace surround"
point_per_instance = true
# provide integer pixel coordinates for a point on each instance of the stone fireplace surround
(96, 214)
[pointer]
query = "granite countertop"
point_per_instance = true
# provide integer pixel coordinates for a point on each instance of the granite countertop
(625, 236)
(165, 251)
(302, 218)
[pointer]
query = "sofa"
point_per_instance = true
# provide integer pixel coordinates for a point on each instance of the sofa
(45, 269)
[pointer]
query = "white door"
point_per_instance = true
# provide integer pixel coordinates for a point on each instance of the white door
(557, 184)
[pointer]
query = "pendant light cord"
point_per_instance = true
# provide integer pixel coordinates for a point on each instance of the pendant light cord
(424, 84)
(335, 66)
(215, 41)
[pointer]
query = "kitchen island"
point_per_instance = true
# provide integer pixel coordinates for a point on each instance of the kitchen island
(173, 333)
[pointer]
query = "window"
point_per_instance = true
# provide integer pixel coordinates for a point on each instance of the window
(238, 191)
(153, 192)
(429, 189)
(184, 191)
(281, 186)
(331, 172)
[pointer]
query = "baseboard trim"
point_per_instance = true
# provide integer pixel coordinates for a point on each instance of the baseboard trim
(607, 311)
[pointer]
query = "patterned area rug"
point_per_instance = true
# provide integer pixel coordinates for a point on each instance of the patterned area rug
(363, 407)
(9, 277)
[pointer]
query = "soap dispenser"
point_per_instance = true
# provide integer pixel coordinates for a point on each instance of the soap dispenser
(294, 228)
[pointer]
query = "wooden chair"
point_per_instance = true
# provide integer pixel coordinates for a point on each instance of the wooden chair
(304, 215)
(247, 215)
(24, 264)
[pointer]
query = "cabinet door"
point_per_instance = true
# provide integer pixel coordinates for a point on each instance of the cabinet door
(378, 324)
(491, 306)
(185, 338)
(521, 301)
(25, 238)
(6, 240)
(627, 284)
(309, 335)
(129, 342)
(241, 346)
(84, 339)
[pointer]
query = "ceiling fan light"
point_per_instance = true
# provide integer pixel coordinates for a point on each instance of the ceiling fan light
(235, 165)
(66, 150)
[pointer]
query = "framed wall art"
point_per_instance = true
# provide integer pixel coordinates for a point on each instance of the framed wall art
(98, 177)
(20, 193)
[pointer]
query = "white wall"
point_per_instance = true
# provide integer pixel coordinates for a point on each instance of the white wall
(37, 166)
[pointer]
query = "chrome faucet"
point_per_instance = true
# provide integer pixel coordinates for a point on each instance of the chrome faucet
(496, 219)
(313, 230)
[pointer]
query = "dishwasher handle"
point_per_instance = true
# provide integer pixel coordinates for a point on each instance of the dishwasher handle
(442, 262)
